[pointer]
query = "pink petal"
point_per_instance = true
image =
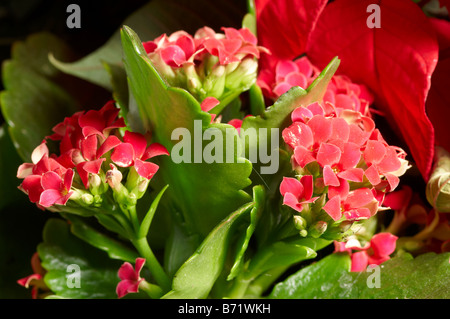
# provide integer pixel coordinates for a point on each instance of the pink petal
(51, 180)
(360, 261)
(344, 101)
(352, 174)
(342, 190)
(145, 169)
(49, 197)
(68, 179)
(340, 129)
(291, 201)
(305, 66)
(297, 79)
(316, 108)
(139, 263)
(24, 170)
(298, 134)
(186, 43)
(32, 186)
(110, 142)
(383, 244)
(281, 88)
(39, 152)
(138, 141)
(26, 282)
(350, 157)
(293, 186)
(209, 103)
(123, 155)
(84, 168)
(328, 154)
(358, 214)
(392, 180)
(359, 197)
(283, 68)
(321, 128)
(329, 177)
(374, 152)
(303, 156)
(372, 175)
(308, 187)
(173, 56)
(301, 114)
(89, 147)
(92, 119)
(155, 149)
(390, 162)
(126, 272)
(333, 208)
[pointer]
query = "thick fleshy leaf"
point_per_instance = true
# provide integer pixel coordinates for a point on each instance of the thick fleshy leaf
(165, 109)
(113, 247)
(31, 102)
(395, 61)
(402, 277)
(198, 274)
(150, 21)
(62, 253)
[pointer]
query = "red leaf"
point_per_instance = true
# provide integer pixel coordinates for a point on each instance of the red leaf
(396, 61)
(284, 27)
(438, 101)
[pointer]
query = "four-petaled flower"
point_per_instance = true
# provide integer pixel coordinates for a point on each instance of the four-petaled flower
(296, 192)
(375, 252)
(129, 278)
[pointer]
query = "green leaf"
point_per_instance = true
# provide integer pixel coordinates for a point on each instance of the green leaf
(114, 248)
(255, 214)
(404, 277)
(146, 222)
(9, 162)
(60, 249)
(197, 275)
(164, 109)
(33, 102)
(150, 21)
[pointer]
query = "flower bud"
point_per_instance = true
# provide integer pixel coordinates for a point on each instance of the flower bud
(438, 186)
(318, 229)
(244, 76)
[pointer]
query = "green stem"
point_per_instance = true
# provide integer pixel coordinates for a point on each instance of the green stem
(134, 219)
(153, 291)
(152, 263)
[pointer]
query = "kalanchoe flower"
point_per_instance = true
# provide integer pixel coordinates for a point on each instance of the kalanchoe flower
(297, 193)
(207, 63)
(36, 280)
(350, 165)
(375, 252)
(130, 278)
(134, 152)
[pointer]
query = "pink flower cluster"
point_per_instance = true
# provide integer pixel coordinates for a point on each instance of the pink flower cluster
(341, 91)
(86, 141)
(375, 252)
(181, 48)
(356, 165)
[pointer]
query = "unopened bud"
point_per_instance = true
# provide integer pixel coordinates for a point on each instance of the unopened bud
(87, 199)
(299, 222)
(318, 229)
(114, 177)
(438, 186)
(243, 76)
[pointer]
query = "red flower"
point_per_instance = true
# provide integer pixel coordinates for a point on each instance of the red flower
(130, 278)
(35, 280)
(296, 192)
(291, 28)
(134, 152)
(377, 251)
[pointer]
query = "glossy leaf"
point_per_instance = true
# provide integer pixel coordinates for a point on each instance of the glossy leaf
(60, 249)
(395, 61)
(114, 248)
(197, 275)
(402, 277)
(33, 102)
(255, 214)
(163, 109)
(150, 21)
